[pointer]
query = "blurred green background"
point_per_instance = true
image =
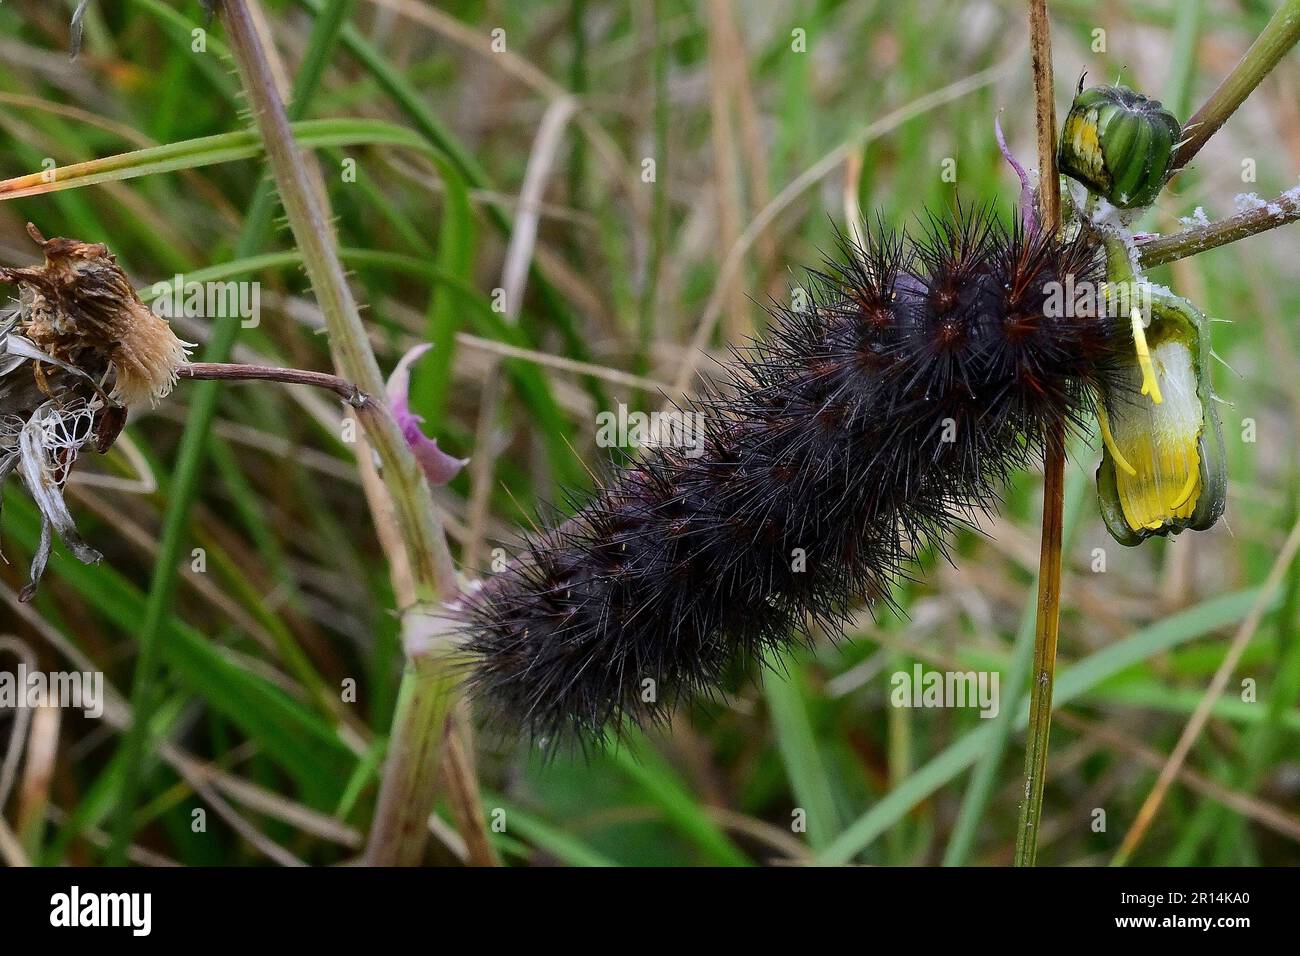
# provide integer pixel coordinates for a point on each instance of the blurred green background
(703, 129)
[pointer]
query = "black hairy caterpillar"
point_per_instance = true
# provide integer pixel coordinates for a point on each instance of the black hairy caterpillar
(856, 433)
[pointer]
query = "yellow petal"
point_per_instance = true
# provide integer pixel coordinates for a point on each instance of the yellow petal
(1158, 443)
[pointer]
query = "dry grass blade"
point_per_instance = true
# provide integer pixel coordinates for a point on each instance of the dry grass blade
(514, 274)
(1192, 732)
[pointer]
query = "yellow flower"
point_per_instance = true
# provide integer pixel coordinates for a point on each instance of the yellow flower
(1162, 466)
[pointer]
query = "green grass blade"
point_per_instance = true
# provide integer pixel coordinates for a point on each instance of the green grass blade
(1199, 621)
(563, 846)
(640, 763)
(210, 151)
(805, 768)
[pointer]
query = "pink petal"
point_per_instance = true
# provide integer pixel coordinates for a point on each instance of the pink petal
(399, 382)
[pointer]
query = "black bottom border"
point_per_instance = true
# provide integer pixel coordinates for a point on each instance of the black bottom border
(342, 904)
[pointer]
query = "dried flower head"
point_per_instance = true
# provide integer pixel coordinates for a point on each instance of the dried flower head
(76, 351)
(80, 308)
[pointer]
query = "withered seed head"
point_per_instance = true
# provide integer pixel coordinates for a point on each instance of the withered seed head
(78, 329)
(81, 308)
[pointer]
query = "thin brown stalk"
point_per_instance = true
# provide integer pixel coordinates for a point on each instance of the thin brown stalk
(1049, 563)
(1040, 57)
(463, 790)
(234, 372)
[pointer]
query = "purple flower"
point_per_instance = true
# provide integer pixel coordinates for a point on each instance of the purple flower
(439, 467)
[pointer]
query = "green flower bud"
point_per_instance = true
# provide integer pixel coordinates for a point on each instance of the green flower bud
(1163, 466)
(1119, 144)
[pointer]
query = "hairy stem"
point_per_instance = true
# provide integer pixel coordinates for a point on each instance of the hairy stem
(425, 702)
(190, 458)
(1282, 210)
(407, 790)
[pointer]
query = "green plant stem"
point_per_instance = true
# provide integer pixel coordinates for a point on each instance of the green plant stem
(426, 699)
(427, 692)
(426, 548)
(1049, 561)
(1281, 33)
(182, 491)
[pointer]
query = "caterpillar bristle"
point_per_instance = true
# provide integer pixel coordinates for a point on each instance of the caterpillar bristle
(859, 432)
